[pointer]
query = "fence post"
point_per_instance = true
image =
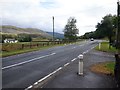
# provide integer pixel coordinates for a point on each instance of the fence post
(30, 45)
(22, 46)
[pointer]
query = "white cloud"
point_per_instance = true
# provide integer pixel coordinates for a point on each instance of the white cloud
(38, 13)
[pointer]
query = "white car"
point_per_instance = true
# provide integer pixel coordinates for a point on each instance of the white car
(91, 39)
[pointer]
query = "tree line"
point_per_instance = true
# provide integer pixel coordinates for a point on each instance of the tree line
(105, 28)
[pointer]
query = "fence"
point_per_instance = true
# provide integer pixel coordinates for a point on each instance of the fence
(36, 44)
(117, 70)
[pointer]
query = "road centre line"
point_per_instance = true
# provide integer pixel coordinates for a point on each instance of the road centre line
(27, 61)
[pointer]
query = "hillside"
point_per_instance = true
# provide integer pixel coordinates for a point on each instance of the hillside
(57, 35)
(17, 30)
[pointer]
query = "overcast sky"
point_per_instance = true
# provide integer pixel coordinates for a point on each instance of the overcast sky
(38, 13)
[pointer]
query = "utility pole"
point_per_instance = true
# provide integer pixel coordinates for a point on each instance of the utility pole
(118, 26)
(117, 55)
(53, 28)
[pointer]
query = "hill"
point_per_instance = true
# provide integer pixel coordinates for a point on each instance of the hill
(7, 29)
(57, 35)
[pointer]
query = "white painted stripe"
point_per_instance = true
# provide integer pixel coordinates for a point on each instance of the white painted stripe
(89, 49)
(56, 70)
(44, 78)
(49, 75)
(74, 59)
(29, 87)
(66, 64)
(27, 61)
(36, 83)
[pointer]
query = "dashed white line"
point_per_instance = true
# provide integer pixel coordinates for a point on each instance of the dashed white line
(66, 64)
(27, 61)
(74, 59)
(29, 87)
(44, 78)
(89, 50)
(36, 83)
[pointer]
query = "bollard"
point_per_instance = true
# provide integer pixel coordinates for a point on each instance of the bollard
(99, 46)
(80, 66)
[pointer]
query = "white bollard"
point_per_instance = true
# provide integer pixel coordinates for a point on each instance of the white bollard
(99, 46)
(80, 66)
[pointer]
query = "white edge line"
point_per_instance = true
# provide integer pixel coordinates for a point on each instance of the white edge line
(35, 83)
(74, 59)
(66, 64)
(29, 87)
(26, 61)
(44, 78)
(89, 49)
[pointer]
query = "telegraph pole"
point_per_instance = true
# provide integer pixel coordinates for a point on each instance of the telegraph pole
(53, 28)
(118, 26)
(117, 55)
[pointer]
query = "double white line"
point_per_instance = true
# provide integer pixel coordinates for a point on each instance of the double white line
(27, 61)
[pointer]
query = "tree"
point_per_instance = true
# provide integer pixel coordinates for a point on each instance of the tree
(70, 30)
(106, 27)
(24, 38)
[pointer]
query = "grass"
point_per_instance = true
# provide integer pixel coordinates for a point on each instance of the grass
(15, 52)
(104, 68)
(105, 47)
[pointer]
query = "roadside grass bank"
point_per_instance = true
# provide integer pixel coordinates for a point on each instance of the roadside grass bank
(105, 47)
(11, 52)
(105, 67)
(15, 52)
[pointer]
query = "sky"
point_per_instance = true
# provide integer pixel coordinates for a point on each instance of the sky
(39, 13)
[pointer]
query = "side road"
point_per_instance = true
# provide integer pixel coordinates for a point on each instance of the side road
(68, 77)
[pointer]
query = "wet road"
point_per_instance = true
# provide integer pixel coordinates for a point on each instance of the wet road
(68, 77)
(21, 71)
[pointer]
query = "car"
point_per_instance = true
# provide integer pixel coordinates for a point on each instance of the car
(91, 39)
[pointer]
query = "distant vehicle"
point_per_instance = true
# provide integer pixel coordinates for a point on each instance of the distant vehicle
(91, 39)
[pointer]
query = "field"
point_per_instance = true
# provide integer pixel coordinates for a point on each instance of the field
(8, 49)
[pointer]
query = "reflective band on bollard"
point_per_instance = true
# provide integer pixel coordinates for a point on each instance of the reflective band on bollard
(80, 66)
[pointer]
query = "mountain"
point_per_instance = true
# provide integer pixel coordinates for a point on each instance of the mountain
(57, 35)
(7, 29)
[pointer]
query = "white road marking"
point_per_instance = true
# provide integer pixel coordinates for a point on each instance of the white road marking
(35, 83)
(89, 50)
(49, 75)
(66, 64)
(73, 47)
(29, 87)
(74, 59)
(27, 61)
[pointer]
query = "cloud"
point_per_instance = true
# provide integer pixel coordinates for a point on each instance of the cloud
(38, 13)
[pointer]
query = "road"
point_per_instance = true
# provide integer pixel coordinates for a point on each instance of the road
(21, 71)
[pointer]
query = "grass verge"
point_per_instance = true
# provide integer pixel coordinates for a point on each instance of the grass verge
(105, 47)
(104, 68)
(15, 52)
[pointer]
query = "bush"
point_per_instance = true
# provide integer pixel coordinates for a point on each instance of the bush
(24, 38)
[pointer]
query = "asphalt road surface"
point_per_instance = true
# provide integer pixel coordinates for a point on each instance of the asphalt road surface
(21, 71)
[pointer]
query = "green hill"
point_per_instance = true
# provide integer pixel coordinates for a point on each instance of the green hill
(35, 33)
